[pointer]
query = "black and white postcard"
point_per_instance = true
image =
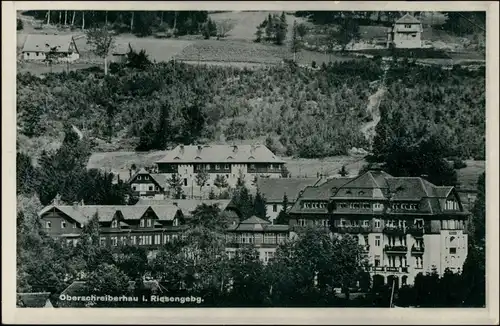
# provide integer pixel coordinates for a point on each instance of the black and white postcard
(276, 161)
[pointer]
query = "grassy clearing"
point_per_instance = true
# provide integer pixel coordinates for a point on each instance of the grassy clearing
(246, 23)
(120, 162)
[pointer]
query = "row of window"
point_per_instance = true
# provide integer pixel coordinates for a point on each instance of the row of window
(314, 205)
(267, 238)
(375, 206)
(451, 205)
(404, 206)
(142, 240)
(322, 222)
(48, 225)
(144, 223)
(145, 187)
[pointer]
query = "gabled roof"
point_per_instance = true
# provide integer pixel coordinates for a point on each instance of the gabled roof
(160, 179)
(407, 19)
(43, 43)
(106, 213)
(256, 224)
(35, 300)
(274, 189)
(220, 154)
(186, 205)
(254, 220)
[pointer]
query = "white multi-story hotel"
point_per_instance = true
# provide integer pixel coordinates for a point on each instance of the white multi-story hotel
(227, 161)
(406, 225)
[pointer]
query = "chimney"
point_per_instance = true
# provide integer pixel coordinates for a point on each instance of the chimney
(235, 148)
(181, 149)
(75, 204)
(200, 148)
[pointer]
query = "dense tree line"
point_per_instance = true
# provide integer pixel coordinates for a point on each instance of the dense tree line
(428, 115)
(142, 23)
(306, 113)
(272, 29)
(64, 173)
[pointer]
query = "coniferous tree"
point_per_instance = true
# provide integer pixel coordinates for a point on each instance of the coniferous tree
(175, 186)
(260, 206)
(281, 29)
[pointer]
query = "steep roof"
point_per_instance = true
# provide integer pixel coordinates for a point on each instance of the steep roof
(274, 190)
(378, 185)
(43, 43)
(161, 179)
(35, 300)
(407, 19)
(220, 154)
(106, 213)
(256, 224)
(186, 205)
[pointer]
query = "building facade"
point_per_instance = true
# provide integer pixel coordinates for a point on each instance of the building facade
(223, 161)
(148, 185)
(37, 46)
(274, 191)
(406, 33)
(261, 234)
(145, 224)
(406, 225)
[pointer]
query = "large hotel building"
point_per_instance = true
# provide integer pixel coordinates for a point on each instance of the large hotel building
(224, 161)
(406, 225)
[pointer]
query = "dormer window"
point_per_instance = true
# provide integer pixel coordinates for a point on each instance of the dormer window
(146, 177)
(217, 166)
(348, 192)
(139, 177)
(361, 193)
(114, 224)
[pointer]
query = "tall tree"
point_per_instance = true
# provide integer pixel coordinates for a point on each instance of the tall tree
(281, 30)
(175, 185)
(260, 205)
(101, 41)
(201, 178)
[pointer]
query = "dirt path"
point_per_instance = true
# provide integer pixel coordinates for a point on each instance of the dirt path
(374, 100)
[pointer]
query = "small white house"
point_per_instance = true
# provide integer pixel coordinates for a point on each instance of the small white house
(406, 33)
(37, 46)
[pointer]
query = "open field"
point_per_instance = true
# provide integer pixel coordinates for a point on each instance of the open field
(245, 23)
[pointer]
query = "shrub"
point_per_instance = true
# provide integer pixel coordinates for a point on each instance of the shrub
(459, 164)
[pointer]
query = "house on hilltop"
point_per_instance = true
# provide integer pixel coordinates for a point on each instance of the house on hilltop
(406, 33)
(37, 46)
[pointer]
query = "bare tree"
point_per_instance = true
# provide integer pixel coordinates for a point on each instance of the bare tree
(132, 22)
(65, 18)
(101, 40)
(73, 20)
(223, 27)
(48, 17)
(83, 20)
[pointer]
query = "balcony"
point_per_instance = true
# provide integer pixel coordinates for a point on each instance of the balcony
(352, 229)
(417, 250)
(389, 269)
(416, 231)
(394, 230)
(396, 249)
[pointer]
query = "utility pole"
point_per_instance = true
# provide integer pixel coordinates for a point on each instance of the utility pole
(392, 292)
